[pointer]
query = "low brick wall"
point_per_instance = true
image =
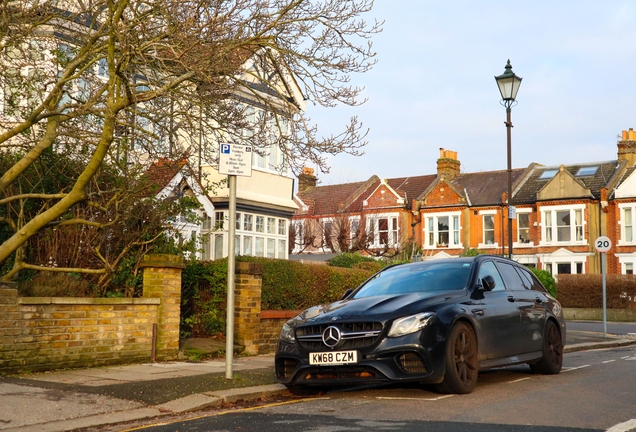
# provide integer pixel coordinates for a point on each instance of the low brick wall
(47, 333)
(270, 324)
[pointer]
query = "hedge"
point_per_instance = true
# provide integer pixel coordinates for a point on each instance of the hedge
(349, 259)
(586, 291)
(287, 285)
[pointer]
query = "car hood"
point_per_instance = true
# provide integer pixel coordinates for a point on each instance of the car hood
(376, 308)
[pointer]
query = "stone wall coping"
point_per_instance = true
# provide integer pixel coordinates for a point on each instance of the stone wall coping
(249, 268)
(88, 301)
(163, 261)
(278, 314)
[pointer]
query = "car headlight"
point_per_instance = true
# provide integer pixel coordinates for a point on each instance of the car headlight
(287, 333)
(410, 324)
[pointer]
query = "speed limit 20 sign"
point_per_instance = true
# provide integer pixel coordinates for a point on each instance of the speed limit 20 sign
(603, 244)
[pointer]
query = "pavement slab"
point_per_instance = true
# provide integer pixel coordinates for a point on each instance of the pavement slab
(26, 405)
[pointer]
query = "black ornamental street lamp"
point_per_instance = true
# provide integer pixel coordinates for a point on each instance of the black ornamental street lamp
(509, 84)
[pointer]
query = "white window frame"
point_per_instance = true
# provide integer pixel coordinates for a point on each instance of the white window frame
(452, 217)
(279, 240)
(393, 229)
(552, 224)
(572, 259)
(324, 224)
(483, 244)
(299, 226)
(623, 239)
(273, 159)
(353, 235)
(525, 211)
(626, 259)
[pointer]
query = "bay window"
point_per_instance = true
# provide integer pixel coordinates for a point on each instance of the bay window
(563, 225)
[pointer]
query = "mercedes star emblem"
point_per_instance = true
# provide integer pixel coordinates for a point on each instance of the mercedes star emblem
(331, 336)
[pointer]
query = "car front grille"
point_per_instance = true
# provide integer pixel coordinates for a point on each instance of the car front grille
(353, 335)
(411, 362)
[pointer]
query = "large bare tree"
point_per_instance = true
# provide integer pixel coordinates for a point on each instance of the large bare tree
(108, 79)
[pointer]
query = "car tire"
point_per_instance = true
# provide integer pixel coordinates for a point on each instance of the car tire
(462, 362)
(552, 359)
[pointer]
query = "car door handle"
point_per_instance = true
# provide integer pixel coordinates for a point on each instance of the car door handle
(478, 312)
(511, 299)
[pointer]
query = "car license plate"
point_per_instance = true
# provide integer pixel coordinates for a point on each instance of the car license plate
(333, 358)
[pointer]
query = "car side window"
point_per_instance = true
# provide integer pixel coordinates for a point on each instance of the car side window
(525, 277)
(488, 269)
(510, 275)
(536, 285)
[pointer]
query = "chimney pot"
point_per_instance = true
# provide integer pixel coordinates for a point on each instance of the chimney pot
(447, 165)
(306, 179)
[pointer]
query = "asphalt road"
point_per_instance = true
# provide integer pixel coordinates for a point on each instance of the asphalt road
(615, 328)
(594, 392)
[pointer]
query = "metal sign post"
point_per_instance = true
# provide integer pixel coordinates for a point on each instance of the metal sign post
(604, 244)
(234, 160)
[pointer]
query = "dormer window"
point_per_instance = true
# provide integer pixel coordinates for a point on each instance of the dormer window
(587, 171)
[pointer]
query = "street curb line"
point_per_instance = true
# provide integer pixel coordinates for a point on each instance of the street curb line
(598, 345)
(89, 421)
(192, 402)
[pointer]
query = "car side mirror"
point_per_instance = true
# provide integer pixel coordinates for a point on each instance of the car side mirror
(488, 283)
(346, 294)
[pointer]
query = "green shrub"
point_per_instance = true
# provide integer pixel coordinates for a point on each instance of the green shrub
(546, 278)
(203, 298)
(348, 260)
(287, 285)
(471, 252)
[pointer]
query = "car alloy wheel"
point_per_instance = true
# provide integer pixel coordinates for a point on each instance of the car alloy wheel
(461, 361)
(552, 359)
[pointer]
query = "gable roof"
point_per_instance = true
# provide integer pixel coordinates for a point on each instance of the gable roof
(602, 178)
(279, 83)
(349, 197)
(480, 188)
(161, 172)
(412, 187)
(626, 185)
(327, 200)
(166, 177)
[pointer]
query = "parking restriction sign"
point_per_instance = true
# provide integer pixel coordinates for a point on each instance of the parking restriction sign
(235, 159)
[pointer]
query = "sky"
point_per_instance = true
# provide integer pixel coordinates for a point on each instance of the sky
(434, 86)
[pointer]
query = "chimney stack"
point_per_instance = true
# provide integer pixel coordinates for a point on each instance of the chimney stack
(306, 179)
(447, 164)
(627, 147)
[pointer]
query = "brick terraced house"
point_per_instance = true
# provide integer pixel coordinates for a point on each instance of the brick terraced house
(560, 211)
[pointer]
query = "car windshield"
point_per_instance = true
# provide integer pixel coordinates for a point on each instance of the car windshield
(425, 277)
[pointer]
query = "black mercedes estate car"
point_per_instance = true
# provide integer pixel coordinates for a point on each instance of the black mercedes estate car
(438, 321)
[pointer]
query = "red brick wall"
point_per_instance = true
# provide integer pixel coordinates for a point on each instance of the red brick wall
(270, 325)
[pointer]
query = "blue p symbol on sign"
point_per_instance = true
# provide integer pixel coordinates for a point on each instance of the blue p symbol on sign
(225, 148)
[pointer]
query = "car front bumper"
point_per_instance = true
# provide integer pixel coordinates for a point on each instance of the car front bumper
(415, 357)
